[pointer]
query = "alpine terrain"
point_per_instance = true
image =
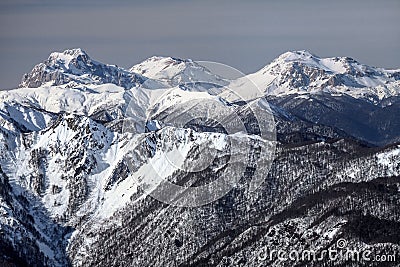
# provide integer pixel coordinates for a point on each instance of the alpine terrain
(298, 156)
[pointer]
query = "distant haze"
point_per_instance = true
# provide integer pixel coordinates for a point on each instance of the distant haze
(243, 34)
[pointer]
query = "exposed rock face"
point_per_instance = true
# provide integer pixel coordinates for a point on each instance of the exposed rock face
(74, 67)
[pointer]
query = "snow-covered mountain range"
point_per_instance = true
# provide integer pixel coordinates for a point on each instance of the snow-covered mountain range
(82, 142)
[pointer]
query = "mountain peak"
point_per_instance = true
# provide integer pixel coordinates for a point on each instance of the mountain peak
(74, 52)
(296, 55)
(306, 57)
(68, 55)
(166, 58)
(160, 64)
(172, 71)
(72, 59)
(301, 71)
(74, 67)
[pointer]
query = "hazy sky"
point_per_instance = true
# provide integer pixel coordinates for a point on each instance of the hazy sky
(243, 34)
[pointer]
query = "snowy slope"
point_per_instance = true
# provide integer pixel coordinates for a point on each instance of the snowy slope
(302, 72)
(174, 71)
(58, 99)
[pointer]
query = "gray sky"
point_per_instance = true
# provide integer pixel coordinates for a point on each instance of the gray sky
(243, 34)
